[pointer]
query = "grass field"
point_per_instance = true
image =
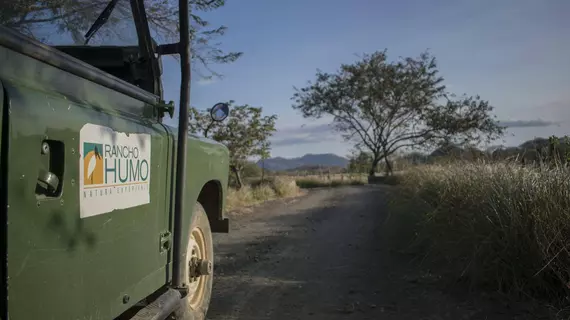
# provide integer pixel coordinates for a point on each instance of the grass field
(501, 226)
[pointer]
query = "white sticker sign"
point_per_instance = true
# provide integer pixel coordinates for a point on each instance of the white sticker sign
(114, 170)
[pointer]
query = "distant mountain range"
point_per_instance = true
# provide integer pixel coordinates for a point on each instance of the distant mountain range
(308, 160)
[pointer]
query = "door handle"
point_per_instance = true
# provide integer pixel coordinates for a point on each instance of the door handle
(49, 180)
(50, 176)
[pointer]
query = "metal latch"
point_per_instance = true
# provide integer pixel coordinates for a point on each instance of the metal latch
(165, 241)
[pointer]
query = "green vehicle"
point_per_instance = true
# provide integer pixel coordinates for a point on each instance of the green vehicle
(107, 213)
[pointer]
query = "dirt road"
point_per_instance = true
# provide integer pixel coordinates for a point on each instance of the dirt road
(324, 256)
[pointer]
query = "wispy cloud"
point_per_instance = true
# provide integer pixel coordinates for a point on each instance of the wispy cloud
(206, 81)
(304, 134)
(526, 123)
(319, 133)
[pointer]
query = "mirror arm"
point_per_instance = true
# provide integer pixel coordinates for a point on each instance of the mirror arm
(166, 108)
(207, 130)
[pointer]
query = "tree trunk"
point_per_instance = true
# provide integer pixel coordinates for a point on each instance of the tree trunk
(388, 166)
(262, 170)
(373, 168)
(238, 176)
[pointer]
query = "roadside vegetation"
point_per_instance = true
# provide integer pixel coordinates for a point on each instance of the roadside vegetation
(261, 191)
(323, 181)
(255, 190)
(497, 225)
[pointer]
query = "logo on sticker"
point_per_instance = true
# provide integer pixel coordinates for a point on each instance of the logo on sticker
(113, 164)
(92, 163)
(114, 168)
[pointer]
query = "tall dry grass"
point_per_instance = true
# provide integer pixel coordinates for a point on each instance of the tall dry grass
(334, 180)
(496, 224)
(274, 188)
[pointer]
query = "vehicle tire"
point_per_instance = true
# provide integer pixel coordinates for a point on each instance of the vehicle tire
(199, 244)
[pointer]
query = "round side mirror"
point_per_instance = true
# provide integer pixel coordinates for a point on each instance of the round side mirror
(220, 111)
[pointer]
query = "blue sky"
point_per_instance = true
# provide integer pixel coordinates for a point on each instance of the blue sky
(514, 53)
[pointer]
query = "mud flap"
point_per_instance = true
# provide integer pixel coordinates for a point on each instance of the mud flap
(220, 226)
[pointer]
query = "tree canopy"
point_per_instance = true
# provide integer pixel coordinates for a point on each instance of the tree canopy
(385, 106)
(246, 133)
(72, 19)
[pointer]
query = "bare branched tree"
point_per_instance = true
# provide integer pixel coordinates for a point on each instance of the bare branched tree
(385, 106)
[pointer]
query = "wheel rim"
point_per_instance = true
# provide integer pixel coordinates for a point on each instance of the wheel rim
(196, 249)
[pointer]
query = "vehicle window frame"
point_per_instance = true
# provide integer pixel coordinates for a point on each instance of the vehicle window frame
(19, 42)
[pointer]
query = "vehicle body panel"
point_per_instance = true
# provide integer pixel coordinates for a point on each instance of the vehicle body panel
(208, 161)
